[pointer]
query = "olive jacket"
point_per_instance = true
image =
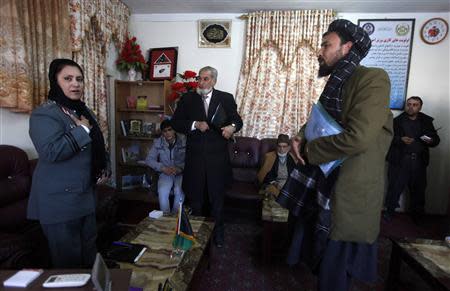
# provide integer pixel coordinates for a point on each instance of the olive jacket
(357, 198)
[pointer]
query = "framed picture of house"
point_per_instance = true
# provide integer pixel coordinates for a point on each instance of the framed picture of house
(162, 63)
(214, 33)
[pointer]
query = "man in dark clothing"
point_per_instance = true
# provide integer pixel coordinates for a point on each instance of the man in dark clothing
(207, 163)
(276, 166)
(408, 158)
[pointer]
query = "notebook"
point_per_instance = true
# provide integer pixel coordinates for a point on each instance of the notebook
(125, 252)
(219, 118)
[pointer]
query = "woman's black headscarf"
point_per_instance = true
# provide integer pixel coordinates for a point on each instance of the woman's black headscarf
(56, 94)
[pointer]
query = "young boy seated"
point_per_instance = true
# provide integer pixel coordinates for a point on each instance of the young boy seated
(276, 167)
(167, 158)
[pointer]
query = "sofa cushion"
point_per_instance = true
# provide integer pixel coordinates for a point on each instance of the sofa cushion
(15, 179)
(244, 153)
(267, 145)
(15, 182)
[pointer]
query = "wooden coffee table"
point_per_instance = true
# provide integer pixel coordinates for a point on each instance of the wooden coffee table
(429, 258)
(158, 263)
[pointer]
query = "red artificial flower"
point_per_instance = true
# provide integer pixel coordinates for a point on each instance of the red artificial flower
(183, 86)
(177, 86)
(131, 56)
(192, 85)
(189, 74)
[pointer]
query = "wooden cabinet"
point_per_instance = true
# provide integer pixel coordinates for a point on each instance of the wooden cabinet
(140, 106)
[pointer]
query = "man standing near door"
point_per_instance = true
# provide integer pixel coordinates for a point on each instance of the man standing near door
(408, 158)
(207, 164)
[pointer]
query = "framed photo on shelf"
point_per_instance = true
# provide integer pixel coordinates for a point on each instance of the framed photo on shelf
(135, 126)
(130, 154)
(162, 63)
(148, 128)
(214, 33)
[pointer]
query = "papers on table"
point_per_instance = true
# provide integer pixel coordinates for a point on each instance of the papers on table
(22, 278)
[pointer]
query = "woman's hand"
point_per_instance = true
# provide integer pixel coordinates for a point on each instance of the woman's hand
(81, 121)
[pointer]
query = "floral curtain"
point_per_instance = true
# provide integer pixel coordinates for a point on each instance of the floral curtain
(278, 82)
(94, 25)
(32, 34)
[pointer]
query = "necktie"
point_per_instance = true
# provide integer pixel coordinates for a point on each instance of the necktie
(205, 104)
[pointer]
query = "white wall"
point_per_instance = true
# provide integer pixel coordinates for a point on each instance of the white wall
(429, 77)
(14, 131)
(180, 30)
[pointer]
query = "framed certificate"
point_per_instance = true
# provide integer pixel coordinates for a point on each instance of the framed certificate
(214, 33)
(163, 63)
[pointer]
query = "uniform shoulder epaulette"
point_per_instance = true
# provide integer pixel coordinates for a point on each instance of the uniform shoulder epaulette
(48, 103)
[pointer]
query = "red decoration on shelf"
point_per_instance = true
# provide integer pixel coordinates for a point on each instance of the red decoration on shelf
(131, 56)
(186, 82)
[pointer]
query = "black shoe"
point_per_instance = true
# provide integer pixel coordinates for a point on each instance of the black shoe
(219, 240)
(219, 244)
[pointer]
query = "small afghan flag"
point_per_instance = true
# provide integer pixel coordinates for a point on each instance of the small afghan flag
(184, 236)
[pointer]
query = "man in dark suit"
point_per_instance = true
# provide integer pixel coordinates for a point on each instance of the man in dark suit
(208, 118)
(408, 158)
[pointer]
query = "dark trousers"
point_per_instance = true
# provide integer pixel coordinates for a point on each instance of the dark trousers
(411, 173)
(210, 204)
(72, 243)
(342, 261)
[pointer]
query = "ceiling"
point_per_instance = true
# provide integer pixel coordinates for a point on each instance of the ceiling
(245, 6)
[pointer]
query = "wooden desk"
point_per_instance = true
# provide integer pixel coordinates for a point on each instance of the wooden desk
(120, 280)
(429, 258)
(157, 265)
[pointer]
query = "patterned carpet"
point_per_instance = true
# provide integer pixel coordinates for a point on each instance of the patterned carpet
(238, 266)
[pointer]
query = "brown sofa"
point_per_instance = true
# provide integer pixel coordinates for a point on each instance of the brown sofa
(246, 157)
(22, 243)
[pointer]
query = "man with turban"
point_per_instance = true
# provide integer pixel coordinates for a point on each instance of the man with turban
(338, 215)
